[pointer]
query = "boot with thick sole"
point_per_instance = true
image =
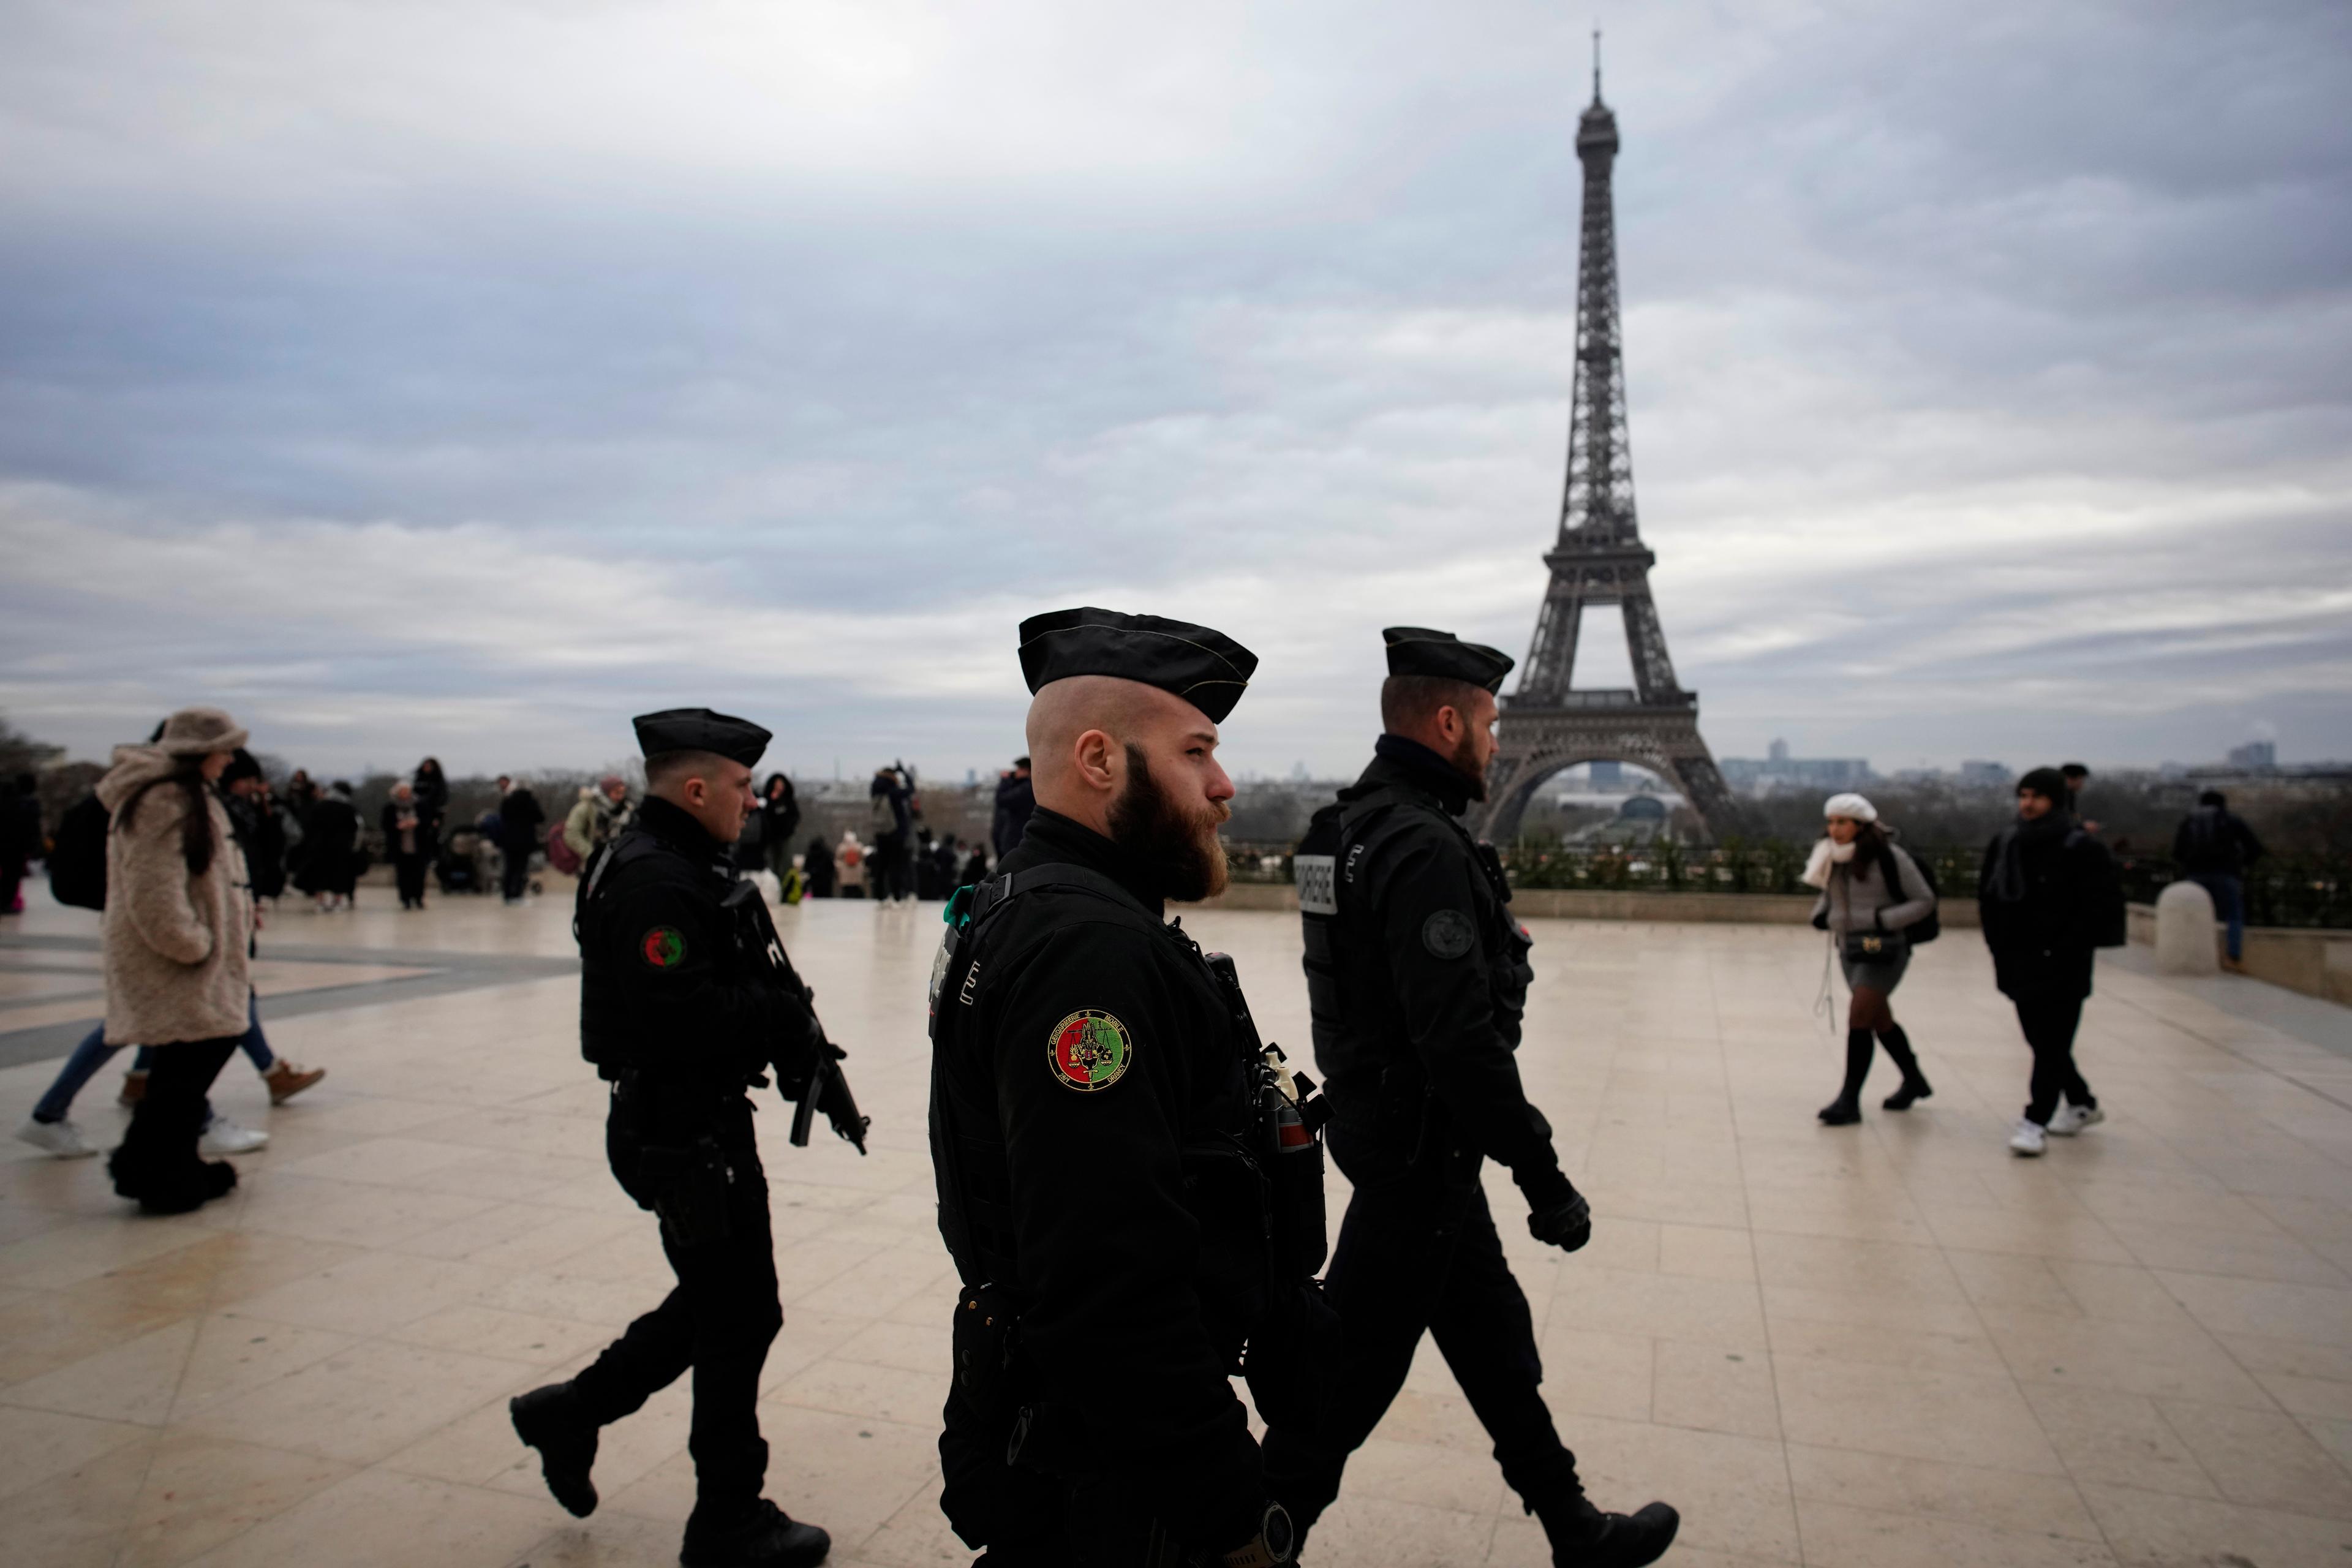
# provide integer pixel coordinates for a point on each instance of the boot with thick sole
(1914, 1085)
(549, 1420)
(1590, 1539)
(766, 1537)
(286, 1080)
(1846, 1108)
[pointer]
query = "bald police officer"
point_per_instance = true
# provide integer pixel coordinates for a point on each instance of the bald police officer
(1094, 1120)
(1416, 976)
(682, 1011)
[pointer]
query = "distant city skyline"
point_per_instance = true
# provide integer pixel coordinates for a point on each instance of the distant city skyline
(427, 380)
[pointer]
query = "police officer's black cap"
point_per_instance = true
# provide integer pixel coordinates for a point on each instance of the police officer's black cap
(1206, 668)
(1418, 650)
(700, 730)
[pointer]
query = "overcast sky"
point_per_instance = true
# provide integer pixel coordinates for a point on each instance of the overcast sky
(463, 378)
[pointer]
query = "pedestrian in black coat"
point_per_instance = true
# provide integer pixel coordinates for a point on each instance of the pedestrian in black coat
(331, 837)
(2050, 898)
(816, 867)
(431, 787)
(779, 818)
(520, 821)
(2214, 847)
(20, 838)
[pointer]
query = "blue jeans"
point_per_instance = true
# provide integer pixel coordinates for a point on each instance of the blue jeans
(94, 1052)
(2230, 903)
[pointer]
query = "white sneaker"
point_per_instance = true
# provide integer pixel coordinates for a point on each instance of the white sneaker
(2029, 1138)
(62, 1139)
(2072, 1118)
(226, 1137)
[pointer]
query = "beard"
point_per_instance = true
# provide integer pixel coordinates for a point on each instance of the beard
(1465, 762)
(1180, 846)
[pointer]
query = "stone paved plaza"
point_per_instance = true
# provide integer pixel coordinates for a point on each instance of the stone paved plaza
(1888, 1345)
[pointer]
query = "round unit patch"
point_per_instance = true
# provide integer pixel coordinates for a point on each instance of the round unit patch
(665, 947)
(1448, 934)
(1090, 1050)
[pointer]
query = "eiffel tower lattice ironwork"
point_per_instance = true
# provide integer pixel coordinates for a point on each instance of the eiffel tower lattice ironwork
(1599, 559)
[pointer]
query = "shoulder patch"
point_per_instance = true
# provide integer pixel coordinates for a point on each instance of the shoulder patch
(1090, 1050)
(664, 947)
(1448, 934)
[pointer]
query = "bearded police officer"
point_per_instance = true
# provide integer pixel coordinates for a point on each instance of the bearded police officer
(1416, 976)
(682, 1008)
(1095, 1109)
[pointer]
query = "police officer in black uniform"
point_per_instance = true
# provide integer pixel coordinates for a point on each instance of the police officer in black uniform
(1416, 976)
(1095, 1129)
(682, 1010)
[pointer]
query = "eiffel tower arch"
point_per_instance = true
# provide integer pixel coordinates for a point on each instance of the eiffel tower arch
(1549, 724)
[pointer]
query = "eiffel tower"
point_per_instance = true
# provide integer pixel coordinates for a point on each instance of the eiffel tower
(1599, 559)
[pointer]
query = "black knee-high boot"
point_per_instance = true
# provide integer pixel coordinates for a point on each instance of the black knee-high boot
(1847, 1107)
(1914, 1082)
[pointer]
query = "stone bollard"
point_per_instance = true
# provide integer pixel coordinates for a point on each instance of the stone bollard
(2184, 931)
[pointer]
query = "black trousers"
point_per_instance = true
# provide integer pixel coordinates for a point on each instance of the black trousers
(515, 869)
(2049, 1023)
(408, 871)
(158, 1156)
(1418, 1253)
(720, 1319)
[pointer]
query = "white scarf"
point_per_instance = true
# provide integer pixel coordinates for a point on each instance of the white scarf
(1826, 853)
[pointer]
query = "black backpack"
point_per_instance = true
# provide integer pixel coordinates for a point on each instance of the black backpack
(1931, 926)
(78, 859)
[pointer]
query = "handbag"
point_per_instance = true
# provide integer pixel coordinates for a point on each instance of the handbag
(1873, 946)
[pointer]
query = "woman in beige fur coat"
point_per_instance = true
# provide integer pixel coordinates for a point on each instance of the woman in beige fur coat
(179, 924)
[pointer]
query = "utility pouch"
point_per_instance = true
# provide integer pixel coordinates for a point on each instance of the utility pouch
(688, 1187)
(1293, 1364)
(982, 1341)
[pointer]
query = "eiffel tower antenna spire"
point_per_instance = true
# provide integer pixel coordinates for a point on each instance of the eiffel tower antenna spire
(1598, 559)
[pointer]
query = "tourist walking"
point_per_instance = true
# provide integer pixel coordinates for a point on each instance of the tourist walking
(409, 843)
(520, 819)
(259, 822)
(2049, 896)
(816, 868)
(779, 818)
(597, 816)
(432, 786)
(177, 941)
(330, 849)
(849, 856)
(1016, 801)
(1873, 897)
(891, 818)
(2214, 848)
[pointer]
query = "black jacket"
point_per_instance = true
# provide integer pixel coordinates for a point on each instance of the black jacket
(1017, 799)
(671, 984)
(330, 846)
(2047, 895)
(520, 820)
(1086, 1079)
(2214, 841)
(261, 833)
(1416, 976)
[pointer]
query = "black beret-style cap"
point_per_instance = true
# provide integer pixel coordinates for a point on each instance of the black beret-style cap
(1206, 668)
(700, 730)
(1418, 650)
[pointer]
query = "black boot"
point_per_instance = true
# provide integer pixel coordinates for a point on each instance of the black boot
(1583, 1537)
(1914, 1082)
(549, 1420)
(1846, 1108)
(765, 1537)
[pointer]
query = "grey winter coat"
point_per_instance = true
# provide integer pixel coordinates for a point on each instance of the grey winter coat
(177, 964)
(1858, 898)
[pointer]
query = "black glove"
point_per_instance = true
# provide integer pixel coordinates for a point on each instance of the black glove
(1822, 921)
(1557, 1212)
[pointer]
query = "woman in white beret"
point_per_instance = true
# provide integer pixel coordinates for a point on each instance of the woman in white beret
(1872, 893)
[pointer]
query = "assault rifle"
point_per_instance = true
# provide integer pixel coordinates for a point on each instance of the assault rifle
(827, 1090)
